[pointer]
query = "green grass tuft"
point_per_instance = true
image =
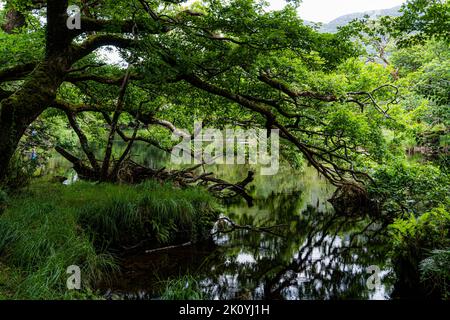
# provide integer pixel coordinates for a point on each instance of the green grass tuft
(184, 288)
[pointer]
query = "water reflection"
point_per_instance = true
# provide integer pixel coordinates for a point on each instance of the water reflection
(320, 255)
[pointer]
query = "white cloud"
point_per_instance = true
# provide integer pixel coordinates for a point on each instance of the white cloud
(327, 10)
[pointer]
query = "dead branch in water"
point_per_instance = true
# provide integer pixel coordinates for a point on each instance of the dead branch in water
(234, 226)
(187, 244)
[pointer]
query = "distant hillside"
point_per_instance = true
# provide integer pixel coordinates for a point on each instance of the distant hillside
(344, 20)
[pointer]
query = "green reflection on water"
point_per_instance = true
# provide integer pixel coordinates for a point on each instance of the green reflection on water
(320, 256)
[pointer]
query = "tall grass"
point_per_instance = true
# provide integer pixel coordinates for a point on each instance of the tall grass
(42, 240)
(51, 227)
(149, 211)
(183, 288)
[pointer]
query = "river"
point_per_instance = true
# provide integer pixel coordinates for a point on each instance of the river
(307, 251)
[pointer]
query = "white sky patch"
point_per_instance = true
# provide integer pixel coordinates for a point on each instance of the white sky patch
(245, 258)
(111, 56)
(328, 10)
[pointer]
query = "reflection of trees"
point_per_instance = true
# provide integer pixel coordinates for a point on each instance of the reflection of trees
(272, 210)
(339, 272)
(324, 256)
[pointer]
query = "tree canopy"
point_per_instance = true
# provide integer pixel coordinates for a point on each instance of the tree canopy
(231, 63)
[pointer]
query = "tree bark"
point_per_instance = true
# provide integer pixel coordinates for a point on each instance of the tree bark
(38, 91)
(14, 20)
(20, 109)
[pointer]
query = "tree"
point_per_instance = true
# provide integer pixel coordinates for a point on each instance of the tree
(266, 67)
(40, 80)
(421, 20)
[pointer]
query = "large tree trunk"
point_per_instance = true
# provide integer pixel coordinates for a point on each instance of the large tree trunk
(19, 110)
(7, 148)
(39, 89)
(12, 129)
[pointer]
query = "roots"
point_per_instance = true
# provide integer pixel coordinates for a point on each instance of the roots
(131, 172)
(352, 199)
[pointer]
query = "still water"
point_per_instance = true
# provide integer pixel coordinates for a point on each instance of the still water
(308, 252)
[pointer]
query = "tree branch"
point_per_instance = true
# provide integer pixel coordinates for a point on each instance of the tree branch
(83, 140)
(114, 124)
(129, 146)
(116, 81)
(116, 26)
(97, 41)
(82, 170)
(264, 77)
(18, 72)
(76, 108)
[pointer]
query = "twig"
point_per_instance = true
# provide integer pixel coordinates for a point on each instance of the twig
(187, 244)
(235, 226)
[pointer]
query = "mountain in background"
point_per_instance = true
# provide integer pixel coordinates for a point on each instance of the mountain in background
(332, 26)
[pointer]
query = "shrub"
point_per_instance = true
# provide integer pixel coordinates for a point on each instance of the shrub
(410, 187)
(412, 240)
(435, 271)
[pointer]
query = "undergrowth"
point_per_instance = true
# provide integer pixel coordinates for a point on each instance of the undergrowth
(50, 227)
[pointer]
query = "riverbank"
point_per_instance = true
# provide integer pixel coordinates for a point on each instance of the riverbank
(50, 227)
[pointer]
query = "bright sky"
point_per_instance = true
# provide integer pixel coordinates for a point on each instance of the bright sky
(328, 10)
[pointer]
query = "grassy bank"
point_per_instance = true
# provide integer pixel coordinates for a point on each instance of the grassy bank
(50, 227)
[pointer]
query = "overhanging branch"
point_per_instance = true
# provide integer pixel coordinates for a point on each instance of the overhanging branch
(18, 72)
(97, 41)
(116, 81)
